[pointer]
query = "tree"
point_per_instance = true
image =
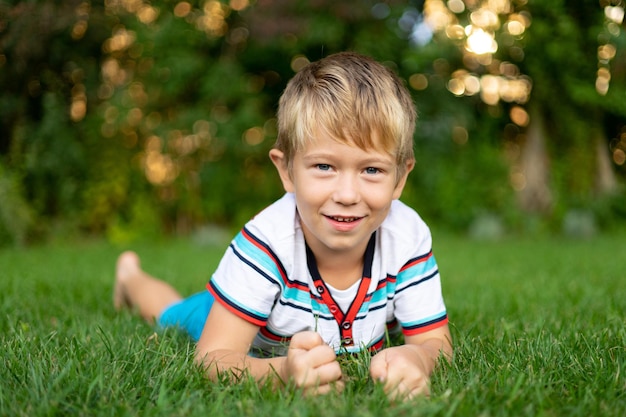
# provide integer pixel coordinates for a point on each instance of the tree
(127, 116)
(564, 51)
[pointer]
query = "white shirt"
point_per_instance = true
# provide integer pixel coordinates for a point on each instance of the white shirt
(267, 278)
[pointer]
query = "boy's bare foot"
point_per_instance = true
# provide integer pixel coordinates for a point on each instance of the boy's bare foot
(127, 267)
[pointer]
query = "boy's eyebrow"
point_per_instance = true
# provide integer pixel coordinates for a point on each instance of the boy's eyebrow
(369, 160)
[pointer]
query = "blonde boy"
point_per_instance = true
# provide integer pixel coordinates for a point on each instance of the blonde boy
(333, 264)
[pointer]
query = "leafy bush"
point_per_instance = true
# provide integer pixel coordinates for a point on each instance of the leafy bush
(131, 118)
(16, 217)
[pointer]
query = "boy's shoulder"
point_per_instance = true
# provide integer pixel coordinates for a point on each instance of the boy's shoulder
(278, 220)
(400, 214)
(404, 224)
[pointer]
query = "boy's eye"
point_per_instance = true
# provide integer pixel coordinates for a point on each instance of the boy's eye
(323, 167)
(372, 170)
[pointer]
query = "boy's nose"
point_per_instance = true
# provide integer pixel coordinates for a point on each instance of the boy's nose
(347, 190)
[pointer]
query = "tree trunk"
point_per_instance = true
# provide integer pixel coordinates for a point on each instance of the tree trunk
(606, 182)
(534, 193)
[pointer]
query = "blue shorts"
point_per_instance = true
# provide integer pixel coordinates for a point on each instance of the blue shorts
(189, 314)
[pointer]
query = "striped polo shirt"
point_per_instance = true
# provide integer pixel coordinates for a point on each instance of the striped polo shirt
(268, 276)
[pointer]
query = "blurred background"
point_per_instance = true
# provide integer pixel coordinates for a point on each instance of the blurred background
(135, 119)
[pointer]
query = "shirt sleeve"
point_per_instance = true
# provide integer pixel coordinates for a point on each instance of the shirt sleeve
(248, 279)
(418, 300)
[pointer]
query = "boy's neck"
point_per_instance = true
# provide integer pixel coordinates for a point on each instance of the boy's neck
(341, 274)
(340, 269)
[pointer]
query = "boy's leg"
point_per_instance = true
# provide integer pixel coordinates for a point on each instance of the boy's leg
(134, 288)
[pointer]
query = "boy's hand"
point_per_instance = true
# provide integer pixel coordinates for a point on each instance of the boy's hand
(402, 370)
(405, 370)
(312, 364)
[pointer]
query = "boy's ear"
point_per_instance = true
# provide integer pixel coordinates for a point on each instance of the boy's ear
(397, 192)
(280, 162)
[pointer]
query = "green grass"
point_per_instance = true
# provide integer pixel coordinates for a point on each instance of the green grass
(539, 330)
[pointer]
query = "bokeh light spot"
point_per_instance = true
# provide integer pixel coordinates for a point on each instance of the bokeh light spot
(456, 86)
(254, 136)
(515, 28)
(519, 116)
(298, 62)
(479, 41)
(121, 40)
(455, 32)
(147, 14)
(418, 82)
(79, 29)
(182, 9)
(78, 109)
(602, 81)
(615, 14)
(456, 6)
(134, 116)
(472, 84)
(239, 5)
(606, 52)
(485, 18)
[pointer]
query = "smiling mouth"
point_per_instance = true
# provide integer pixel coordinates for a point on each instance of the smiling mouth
(344, 219)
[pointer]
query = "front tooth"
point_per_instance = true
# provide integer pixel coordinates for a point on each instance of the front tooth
(344, 219)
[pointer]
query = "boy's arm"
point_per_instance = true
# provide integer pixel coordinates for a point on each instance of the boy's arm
(405, 370)
(226, 339)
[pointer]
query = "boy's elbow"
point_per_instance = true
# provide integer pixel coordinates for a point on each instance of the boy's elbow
(447, 351)
(199, 358)
(204, 360)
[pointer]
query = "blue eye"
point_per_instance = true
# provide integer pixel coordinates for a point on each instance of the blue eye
(371, 170)
(323, 167)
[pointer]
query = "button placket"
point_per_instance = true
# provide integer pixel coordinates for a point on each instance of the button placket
(345, 320)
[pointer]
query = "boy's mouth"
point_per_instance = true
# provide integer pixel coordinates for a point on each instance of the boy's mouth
(343, 219)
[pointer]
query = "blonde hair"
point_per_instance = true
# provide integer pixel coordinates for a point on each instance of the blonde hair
(354, 99)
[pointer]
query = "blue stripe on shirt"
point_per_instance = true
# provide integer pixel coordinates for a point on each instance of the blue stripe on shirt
(234, 304)
(253, 257)
(425, 321)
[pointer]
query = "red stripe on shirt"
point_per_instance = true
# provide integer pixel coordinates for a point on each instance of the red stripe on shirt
(417, 260)
(239, 313)
(269, 253)
(420, 330)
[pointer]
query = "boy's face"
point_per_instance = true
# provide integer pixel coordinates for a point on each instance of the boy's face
(343, 193)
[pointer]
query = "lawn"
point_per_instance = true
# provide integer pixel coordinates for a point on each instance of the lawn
(538, 324)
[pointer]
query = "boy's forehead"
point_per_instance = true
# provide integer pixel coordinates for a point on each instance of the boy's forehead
(320, 137)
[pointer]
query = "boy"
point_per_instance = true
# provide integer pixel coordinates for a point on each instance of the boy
(332, 264)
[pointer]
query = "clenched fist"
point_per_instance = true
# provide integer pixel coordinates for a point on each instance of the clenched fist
(312, 365)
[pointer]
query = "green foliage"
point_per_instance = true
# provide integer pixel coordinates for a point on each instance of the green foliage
(610, 210)
(466, 182)
(127, 117)
(564, 70)
(16, 216)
